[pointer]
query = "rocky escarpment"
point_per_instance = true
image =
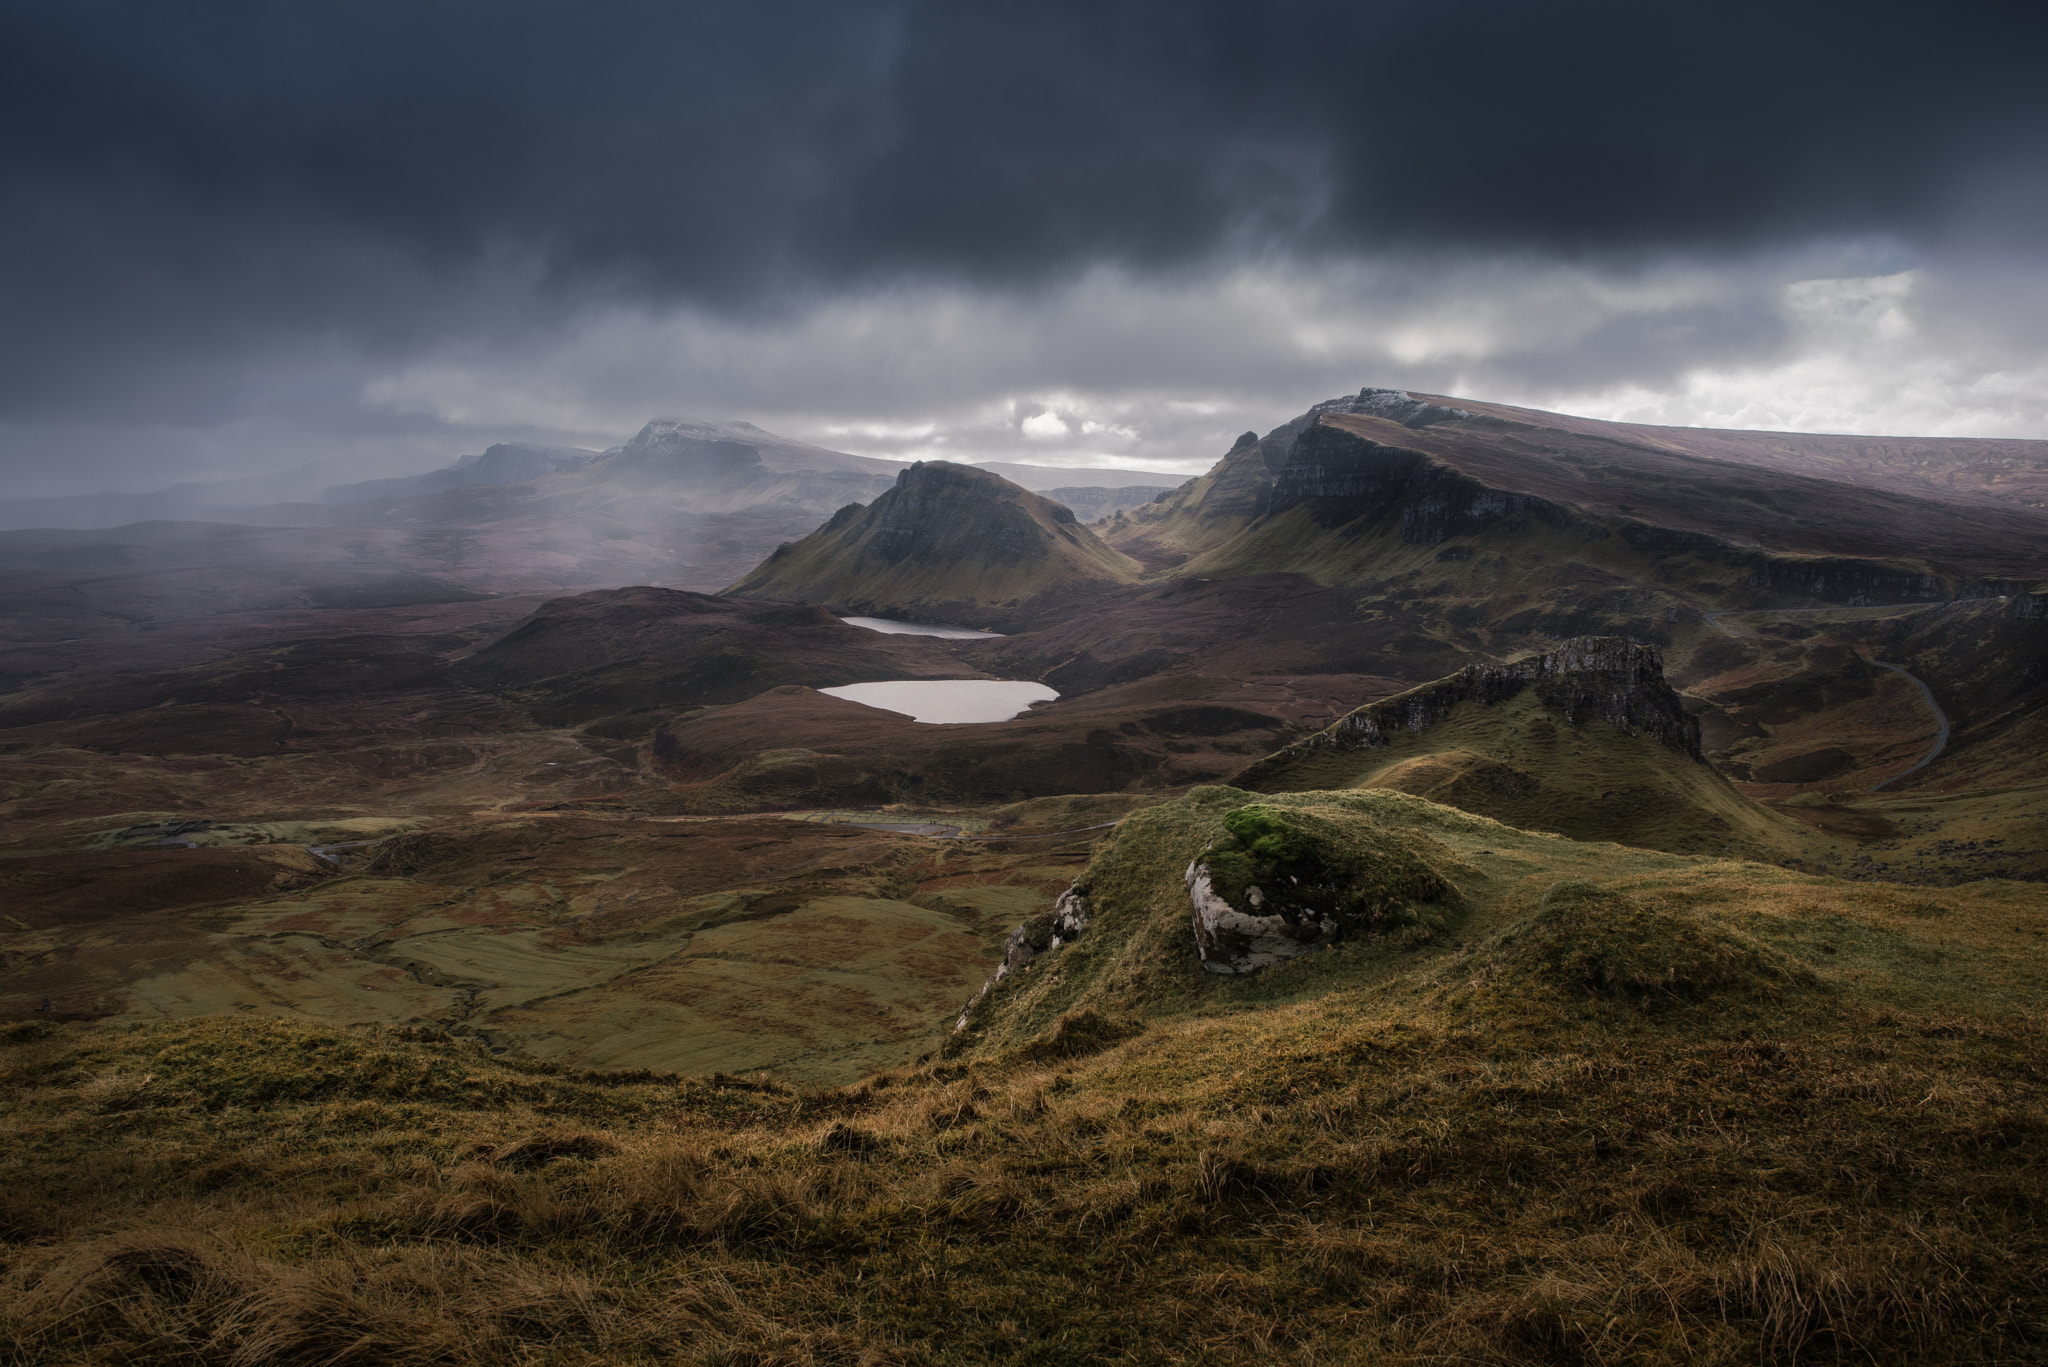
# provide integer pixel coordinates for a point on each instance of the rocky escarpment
(1395, 405)
(1342, 478)
(1247, 484)
(1586, 740)
(1787, 580)
(1338, 491)
(946, 543)
(1602, 677)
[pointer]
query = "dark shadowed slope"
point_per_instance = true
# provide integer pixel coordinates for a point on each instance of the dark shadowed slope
(1986, 470)
(633, 650)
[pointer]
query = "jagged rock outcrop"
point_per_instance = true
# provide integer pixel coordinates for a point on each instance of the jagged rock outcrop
(1395, 405)
(1252, 479)
(1233, 941)
(1614, 680)
(946, 543)
(1343, 478)
(1041, 935)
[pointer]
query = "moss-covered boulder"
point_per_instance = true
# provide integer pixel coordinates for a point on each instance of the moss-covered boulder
(1281, 881)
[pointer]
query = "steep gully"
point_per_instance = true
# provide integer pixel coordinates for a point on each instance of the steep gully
(1940, 717)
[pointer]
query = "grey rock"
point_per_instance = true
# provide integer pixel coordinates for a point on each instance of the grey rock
(1069, 917)
(1040, 935)
(1233, 940)
(1395, 405)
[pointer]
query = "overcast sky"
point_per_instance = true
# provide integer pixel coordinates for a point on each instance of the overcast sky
(372, 235)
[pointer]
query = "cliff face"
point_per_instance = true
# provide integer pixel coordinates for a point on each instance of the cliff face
(1384, 469)
(1258, 476)
(1341, 478)
(947, 543)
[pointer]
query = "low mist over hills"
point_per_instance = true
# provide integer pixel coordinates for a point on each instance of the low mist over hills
(509, 462)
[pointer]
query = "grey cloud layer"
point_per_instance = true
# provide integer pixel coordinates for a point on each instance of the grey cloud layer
(216, 209)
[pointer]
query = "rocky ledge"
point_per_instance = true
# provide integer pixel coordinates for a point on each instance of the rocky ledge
(1618, 681)
(1040, 935)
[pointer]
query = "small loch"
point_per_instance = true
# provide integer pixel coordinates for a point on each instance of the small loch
(895, 628)
(942, 701)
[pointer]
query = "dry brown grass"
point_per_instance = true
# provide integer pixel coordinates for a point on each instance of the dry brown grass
(1634, 1108)
(1554, 1176)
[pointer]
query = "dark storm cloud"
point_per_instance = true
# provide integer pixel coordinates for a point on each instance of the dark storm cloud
(188, 174)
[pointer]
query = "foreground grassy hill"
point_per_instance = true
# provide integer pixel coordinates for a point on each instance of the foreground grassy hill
(1601, 1105)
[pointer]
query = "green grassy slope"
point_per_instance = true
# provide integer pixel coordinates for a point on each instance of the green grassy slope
(1586, 740)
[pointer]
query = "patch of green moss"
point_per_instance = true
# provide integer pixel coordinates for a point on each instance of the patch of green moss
(1323, 865)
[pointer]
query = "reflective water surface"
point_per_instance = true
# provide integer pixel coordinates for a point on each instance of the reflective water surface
(948, 700)
(896, 628)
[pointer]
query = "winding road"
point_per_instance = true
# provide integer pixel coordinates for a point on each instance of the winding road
(1941, 717)
(1941, 737)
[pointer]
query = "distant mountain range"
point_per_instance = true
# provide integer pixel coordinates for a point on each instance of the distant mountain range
(1043, 479)
(292, 498)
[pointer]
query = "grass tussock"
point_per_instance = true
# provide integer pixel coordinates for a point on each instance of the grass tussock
(1584, 938)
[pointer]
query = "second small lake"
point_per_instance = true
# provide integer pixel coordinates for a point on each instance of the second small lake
(895, 628)
(948, 700)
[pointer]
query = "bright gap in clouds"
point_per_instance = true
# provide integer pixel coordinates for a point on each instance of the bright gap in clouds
(1046, 426)
(1857, 360)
